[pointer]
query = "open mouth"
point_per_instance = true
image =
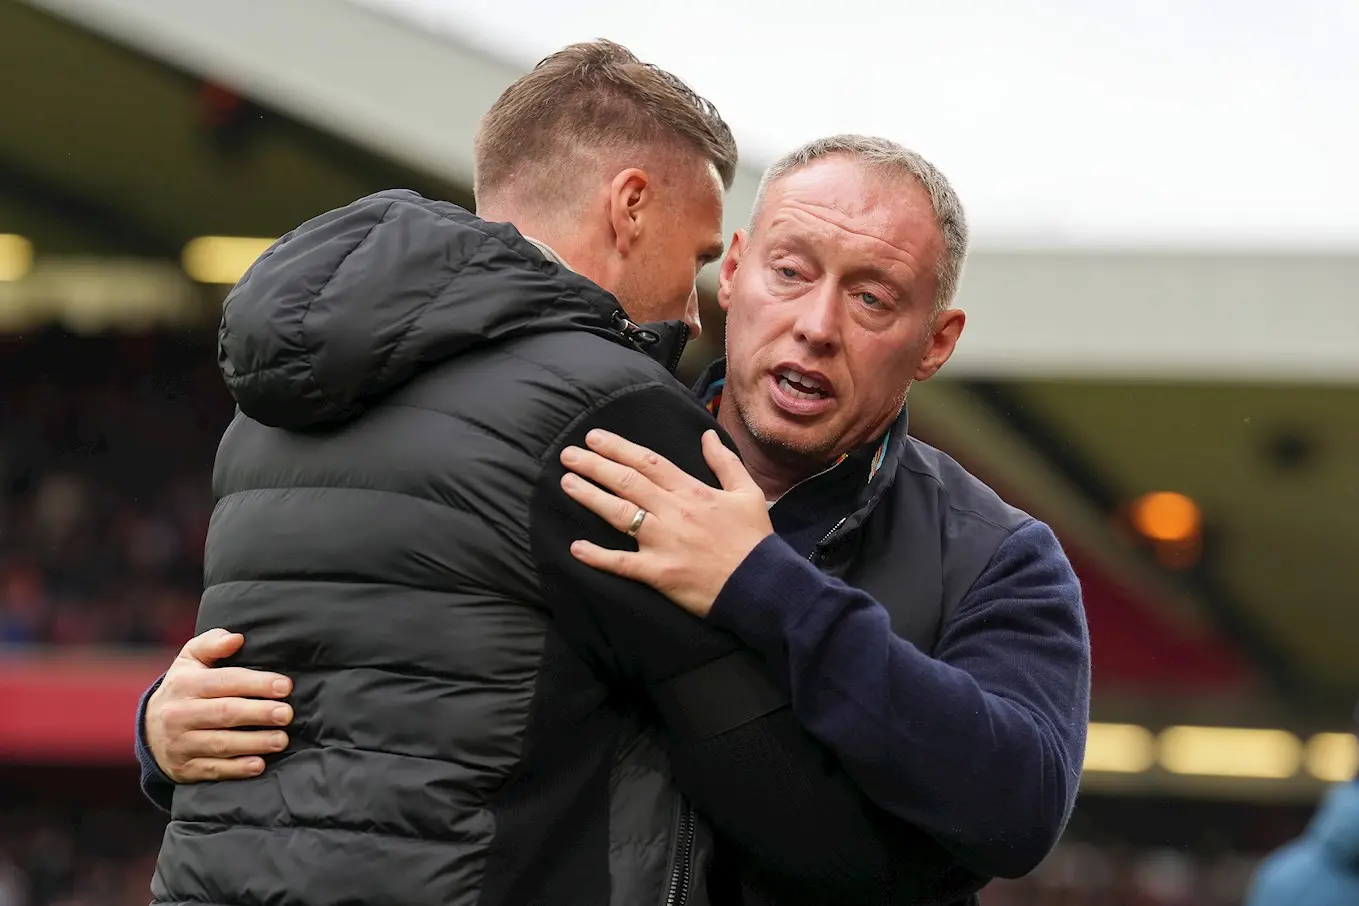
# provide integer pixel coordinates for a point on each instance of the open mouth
(801, 386)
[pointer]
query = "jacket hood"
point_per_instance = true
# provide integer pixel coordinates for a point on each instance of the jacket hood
(356, 302)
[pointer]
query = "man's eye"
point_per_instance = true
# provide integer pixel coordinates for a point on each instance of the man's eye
(870, 300)
(787, 273)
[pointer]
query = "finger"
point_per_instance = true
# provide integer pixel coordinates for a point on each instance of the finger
(213, 645)
(208, 769)
(726, 465)
(224, 714)
(624, 481)
(212, 744)
(616, 512)
(620, 563)
(233, 682)
(661, 471)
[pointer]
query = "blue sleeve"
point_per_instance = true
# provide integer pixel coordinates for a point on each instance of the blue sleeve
(157, 787)
(981, 745)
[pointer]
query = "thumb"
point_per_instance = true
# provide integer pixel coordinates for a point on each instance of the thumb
(213, 645)
(725, 464)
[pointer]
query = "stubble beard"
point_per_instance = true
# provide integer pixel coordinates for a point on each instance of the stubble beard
(810, 456)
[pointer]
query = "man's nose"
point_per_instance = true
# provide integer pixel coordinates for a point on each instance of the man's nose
(692, 316)
(817, 315)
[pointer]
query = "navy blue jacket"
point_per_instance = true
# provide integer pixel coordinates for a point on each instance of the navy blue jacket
(934, 638)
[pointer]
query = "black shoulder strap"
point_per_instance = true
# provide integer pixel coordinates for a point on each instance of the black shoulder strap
(719, 696)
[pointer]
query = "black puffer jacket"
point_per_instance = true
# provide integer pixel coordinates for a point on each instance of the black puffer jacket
(474, 710)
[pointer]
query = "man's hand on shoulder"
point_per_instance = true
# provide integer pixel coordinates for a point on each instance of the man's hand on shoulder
(690, 536)
(193, 720)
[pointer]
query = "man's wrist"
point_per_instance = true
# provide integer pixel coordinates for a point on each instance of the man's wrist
(155, 783)
(766, 594)
(143, 707)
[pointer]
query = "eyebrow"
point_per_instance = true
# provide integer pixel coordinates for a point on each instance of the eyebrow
(800, 245)
(875, 272)
(780, 244)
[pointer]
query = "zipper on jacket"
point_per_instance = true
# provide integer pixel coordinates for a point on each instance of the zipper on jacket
(678, 353)
(677, 892)
(816, 551)
(641, 335)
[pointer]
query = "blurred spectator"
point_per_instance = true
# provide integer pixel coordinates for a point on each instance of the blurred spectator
(105, 486)
(1081, 874)
(72, 857)
(1321, 868)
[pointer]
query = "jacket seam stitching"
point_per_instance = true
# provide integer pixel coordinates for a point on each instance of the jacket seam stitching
(560, 375)
(990, 561)
(472, 423)
(318, 826)
(339, 487)
(955, 508)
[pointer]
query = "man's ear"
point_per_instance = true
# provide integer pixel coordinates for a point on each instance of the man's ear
(727, 273)
(948, 326)
(630, 195)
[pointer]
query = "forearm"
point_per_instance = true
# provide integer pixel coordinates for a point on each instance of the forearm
(158, 788)
(963, 747)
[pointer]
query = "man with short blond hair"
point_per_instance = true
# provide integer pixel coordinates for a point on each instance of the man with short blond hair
(571, 135)
(556, 127)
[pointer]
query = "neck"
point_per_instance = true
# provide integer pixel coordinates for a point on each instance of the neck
(578, 248)
(774, 475)
(531, 224)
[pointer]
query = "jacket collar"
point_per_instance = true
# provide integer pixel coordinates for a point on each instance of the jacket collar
(668, 346)
(882, 467)
(663, 341)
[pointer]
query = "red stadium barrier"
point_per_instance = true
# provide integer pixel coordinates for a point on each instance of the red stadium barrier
(76, 708)
(1135, 649)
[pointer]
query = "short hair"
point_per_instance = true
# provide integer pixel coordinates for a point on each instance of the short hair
(887, 155)
(588, 99)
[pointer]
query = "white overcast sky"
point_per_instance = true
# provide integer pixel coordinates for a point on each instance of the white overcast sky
(1152, 122)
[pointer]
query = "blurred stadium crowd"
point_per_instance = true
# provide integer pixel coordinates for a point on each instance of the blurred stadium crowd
(77, 857)
(106, 462)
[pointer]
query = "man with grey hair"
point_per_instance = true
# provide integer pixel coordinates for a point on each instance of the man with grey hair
(888, 156)
(930, 635)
